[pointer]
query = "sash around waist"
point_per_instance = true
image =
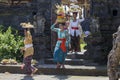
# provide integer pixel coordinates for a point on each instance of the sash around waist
(28, 45)
(61, 39)
(62, 46)
(75, 28)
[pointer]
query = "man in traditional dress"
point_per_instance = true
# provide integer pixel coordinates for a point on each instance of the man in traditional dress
(75, 32)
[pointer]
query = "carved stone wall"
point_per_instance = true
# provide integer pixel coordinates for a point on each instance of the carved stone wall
(108, 13)
(14, 15)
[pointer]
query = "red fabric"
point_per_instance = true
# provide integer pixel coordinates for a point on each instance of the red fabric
(62, 46)
(75, 28)
(65, 28)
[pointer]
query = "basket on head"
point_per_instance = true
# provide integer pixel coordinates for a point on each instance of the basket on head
(26, 25)
(61, 19)
(60, 13)
(75, 8)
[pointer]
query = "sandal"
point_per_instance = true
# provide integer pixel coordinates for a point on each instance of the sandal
(58, 66)
(34, 71)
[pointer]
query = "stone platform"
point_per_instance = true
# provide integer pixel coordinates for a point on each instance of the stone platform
(50, 69)
(75, 64)
(8, 76)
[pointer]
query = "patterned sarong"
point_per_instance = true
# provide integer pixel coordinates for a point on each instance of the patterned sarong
(28, 68)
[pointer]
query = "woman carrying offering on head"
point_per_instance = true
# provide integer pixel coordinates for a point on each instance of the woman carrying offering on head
(60, 50)
(28, 53)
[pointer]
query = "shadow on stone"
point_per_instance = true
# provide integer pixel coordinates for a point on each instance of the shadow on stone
(27, 78)
(59, 77)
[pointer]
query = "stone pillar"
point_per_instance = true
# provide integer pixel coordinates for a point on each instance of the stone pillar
(53, 17)
(42, 23)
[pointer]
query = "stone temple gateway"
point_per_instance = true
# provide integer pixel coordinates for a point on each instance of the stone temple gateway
(42, 14)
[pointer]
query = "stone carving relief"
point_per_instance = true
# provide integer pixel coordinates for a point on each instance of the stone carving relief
(94, 25)
(16, 2)
(39, 23)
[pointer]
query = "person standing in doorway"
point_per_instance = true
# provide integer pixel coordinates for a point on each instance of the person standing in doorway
(75, 32)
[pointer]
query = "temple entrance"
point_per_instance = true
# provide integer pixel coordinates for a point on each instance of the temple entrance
(101, 27)
(77, 57)
(84, 6)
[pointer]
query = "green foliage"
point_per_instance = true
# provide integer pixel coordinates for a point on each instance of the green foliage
(10, 44)
(82, 46)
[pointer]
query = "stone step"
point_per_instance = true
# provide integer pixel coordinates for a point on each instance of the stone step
(51, 70)
(72, 62)
(75, 56)
(67, 61)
